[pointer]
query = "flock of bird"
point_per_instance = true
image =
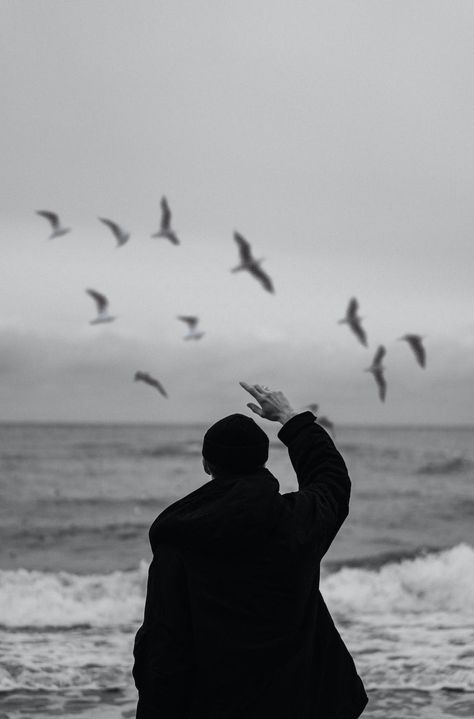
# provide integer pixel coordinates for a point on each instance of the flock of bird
(252, 265)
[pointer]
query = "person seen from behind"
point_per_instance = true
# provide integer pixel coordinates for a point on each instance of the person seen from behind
(235, 626)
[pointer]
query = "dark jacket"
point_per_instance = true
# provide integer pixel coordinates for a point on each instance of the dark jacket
(235, 626)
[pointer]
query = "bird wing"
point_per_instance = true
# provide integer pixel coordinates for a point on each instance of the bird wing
(418, 349)
(172, 237)
(262, 276)
(165, 214)
(52, 217)
(381, 383)
(100, 300)
(379, 355)
(359, 331)
(352, 307)
(244, 248)
(158, 386)
(190, 320)
(148, 379)
(116, 229)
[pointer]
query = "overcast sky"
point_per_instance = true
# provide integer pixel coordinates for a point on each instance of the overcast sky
(336, 136)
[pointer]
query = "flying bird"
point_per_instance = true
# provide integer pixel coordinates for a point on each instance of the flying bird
(120, 234)
(192, 322)
(252, 265)
(102, 304)
(148, 379)
(322, 420)
(353, 320)
(377, 370)
(53, 219)
(166, 230)
(415, 342)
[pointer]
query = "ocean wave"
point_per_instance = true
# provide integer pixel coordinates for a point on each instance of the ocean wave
(438, 582)
(445, 465)
(434, 583)
(179, 449)
(55, 600)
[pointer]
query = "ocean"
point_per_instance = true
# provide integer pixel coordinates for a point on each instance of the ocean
(77, 502)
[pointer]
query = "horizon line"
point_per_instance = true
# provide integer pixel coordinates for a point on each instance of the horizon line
(140, 423)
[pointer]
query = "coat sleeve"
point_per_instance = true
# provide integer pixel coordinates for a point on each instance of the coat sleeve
(163, 667)
(322, 502)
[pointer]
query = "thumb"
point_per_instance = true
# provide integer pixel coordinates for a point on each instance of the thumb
(255, 408)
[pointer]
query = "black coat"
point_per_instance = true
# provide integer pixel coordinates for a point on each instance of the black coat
(235, 626)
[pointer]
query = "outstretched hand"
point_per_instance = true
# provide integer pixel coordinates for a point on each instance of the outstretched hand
(272, 405)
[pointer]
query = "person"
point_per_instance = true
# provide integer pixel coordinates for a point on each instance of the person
(235, 626)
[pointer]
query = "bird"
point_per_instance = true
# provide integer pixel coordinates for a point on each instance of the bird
(53, 219)
(322, 420)
(248, 262)
(415, 342)
(353, 320)
(148, 379)
(377, 370)
(102, 308)
(192, 322)
(120, 234)
(166, 230)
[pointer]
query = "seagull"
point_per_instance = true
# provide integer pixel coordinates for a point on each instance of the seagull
(148, 379)
(165, 225)
(248, 262)
(102, 307)
(415, 342)
(353, 320)
(377, 369)
(53, 219)
(191, 321)
(120, 235)
(323, 420)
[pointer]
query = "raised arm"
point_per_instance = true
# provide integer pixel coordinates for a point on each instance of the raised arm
(322, 502)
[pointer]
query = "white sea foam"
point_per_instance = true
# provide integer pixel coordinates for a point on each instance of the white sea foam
(424, 587)
(441, 582)
(409, 624)
(44, 599)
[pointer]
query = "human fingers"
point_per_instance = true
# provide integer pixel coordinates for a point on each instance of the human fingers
(252, 389)
(255, 408)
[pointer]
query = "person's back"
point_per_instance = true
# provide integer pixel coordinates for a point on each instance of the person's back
(235, 626)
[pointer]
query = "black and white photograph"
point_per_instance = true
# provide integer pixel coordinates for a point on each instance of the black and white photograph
(237, 359)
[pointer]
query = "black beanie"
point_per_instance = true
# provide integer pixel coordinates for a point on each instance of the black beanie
(235, 442)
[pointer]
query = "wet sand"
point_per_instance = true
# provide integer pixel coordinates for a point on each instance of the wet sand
(118, 704)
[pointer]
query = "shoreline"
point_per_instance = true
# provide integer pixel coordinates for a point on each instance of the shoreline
(121, 704)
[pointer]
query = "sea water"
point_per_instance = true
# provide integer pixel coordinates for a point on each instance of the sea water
(77, 502)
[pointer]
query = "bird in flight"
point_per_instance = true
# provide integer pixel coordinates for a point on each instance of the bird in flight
(416, 344)
(166, 230)
(53, 219)
(354, 321)
(102, 304)
(377, 370)
(252, 265)
(120, 235)
(322, 420)
(192, 322)
(148, 379)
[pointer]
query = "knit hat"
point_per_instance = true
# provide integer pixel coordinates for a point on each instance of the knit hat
(235, 442)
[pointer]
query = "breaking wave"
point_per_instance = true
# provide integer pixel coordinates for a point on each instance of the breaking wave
(409, 624)
(438, 582)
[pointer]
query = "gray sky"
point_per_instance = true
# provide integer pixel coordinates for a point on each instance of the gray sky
(336, 136)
